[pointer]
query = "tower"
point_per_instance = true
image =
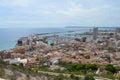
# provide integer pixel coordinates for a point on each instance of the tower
(95, 33)
(117, 33)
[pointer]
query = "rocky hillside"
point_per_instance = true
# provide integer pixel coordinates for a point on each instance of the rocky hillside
(17, 75)
(12, 72)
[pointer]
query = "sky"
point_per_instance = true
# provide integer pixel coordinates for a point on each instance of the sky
(59, 13)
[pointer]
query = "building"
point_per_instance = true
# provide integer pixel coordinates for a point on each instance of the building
(18, 61)
(32, 62)
(117, 34)
(95, 33)
(118, 30)
(23, 41)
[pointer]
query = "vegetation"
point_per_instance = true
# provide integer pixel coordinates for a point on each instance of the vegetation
(89, 77)
(78, 67)
(107, 75)
(117, 75)
(74, 77)
(110, 68)
(2, 72)
(107, 71)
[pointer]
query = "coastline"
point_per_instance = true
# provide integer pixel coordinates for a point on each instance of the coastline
(11, 35)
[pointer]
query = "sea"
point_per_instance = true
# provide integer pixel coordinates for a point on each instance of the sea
(9, 36)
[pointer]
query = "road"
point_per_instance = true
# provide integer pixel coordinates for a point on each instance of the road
(57, 74)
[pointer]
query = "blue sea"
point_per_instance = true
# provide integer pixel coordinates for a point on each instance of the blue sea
(9, 36)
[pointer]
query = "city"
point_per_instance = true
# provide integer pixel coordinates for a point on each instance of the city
(55, 52)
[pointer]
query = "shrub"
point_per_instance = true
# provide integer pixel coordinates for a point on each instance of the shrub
(110, 68)
(89, 77)
(2, 72)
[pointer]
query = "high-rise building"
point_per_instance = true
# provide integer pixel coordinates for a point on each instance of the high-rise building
(118, 30)
(117, 34)
(95, 33)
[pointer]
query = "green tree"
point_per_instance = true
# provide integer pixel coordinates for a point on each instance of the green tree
(80, 66)
(91, 66)
(89, 77)
(110, 68)
(21, 66)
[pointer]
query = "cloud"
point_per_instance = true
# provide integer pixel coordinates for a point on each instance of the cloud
(21, 3)
(15, 3)
(65, 12)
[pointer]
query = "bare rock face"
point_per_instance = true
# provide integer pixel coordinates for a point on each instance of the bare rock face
(17, 75)
(9, 72)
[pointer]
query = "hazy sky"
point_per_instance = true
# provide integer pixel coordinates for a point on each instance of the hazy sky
(59, 13)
